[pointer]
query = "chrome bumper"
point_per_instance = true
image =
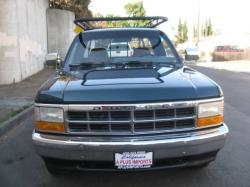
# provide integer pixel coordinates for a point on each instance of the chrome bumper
(103, 148)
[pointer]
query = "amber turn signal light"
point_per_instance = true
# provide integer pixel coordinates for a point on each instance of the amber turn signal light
(207, 121)
(49, 126)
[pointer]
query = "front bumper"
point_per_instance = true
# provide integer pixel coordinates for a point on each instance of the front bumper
(166, 146)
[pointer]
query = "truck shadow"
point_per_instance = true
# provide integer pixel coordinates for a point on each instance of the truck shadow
(168, 177)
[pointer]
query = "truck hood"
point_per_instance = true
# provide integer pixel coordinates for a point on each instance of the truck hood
(129, 86)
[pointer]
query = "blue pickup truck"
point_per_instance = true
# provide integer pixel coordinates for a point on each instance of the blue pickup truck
(139, 110)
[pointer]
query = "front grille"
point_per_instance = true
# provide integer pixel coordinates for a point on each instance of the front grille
(131, 121)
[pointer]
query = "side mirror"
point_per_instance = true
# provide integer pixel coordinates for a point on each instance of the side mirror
(53, 59)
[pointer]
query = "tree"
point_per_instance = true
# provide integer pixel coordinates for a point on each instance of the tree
(132, 10)
(116, 23)
(98, 24)
(185, 32)
(182, 34)
(207, 28)
(195, 32)
(79, 7)
(136, 10)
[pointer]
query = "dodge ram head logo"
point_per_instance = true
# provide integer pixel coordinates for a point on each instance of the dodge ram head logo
(108, 108)
(136, 107)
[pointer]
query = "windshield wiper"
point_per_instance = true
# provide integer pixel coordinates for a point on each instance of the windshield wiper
(165, 64)
(136, 64)
(147, 64)
(94, 65)
(89, 65)
(121, 65)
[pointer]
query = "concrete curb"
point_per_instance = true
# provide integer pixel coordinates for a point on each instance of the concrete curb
(15, 120)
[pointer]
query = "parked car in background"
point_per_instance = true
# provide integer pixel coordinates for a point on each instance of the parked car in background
(227, 52)
(50, 59)
(192, 54)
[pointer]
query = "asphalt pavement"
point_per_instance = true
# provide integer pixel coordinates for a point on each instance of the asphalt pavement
(21, 166)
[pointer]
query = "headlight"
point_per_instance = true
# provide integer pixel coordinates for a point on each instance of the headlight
(210, 113)
(49, 119)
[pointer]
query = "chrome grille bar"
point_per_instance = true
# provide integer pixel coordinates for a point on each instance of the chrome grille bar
(135, 121)
(138, 121)
(127, 127)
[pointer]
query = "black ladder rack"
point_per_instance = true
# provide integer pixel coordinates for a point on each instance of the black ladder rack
(84, 23)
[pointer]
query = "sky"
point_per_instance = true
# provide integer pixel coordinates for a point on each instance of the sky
(229, 17)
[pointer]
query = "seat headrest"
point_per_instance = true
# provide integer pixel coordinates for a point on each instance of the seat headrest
(143, 51)
(98, 53)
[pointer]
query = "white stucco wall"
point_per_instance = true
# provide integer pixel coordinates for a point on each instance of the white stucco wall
(23, 38)
(60, 26)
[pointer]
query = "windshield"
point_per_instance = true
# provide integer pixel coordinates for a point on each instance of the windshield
(121, 46)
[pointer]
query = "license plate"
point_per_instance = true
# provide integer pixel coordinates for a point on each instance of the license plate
(133, 160)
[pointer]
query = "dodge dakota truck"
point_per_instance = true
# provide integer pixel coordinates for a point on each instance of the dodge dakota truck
(133, 112)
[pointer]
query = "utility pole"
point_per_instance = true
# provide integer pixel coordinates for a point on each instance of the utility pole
(198, 25)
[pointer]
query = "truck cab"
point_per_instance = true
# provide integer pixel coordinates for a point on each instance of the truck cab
(141, 111)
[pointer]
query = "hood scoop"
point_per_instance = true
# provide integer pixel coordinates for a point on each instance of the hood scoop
(123, 76)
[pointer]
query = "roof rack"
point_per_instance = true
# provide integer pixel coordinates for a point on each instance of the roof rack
(84, 23)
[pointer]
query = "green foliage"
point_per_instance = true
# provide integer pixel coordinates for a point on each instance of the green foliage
(182, 33)
(195, 32)
(208, 29)
(116, 23)
(185, 32)
(132, 10)
(136, 9)
(79, 7)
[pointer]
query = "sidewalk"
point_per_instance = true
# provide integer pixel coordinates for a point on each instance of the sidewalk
(236, 66)
(16, 97)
